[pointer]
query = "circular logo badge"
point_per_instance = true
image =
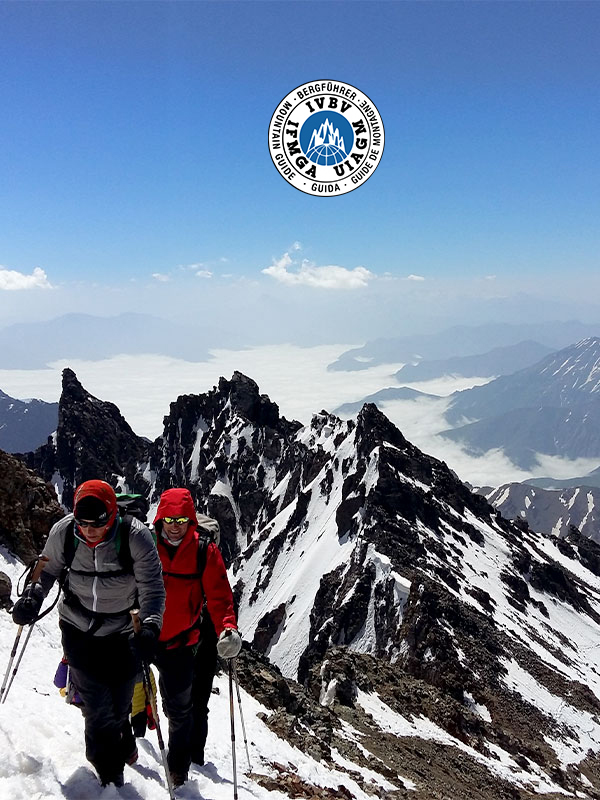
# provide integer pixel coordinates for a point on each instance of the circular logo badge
(326, 138)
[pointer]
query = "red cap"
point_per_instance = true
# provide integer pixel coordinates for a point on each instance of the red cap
(101, 491)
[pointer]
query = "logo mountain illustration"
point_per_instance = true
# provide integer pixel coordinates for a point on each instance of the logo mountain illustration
(326, 138)
(326, 146)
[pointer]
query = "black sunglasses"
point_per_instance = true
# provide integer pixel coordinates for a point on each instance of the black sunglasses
(89, 524)
(176, 520)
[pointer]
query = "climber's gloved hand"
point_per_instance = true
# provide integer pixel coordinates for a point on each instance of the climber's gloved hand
(27, 607)
(145, 641)
(229, 644)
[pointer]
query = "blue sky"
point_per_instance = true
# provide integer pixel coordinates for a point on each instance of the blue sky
(134, 144)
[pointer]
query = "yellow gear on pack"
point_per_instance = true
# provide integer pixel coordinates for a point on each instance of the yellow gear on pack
(138, 701)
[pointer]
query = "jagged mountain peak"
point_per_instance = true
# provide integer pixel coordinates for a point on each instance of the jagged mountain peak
(238, 397)
(246, 400)
(93, 440)
(71, 385)
(376, 428)
(76, 403)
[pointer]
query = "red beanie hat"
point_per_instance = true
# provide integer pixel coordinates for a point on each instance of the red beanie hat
(95, 500)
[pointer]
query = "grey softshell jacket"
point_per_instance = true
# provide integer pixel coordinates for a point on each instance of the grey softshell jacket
(111, 594)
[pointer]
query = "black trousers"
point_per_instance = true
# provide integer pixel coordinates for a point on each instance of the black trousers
(103, 670)
(205, 667)
(176, 670)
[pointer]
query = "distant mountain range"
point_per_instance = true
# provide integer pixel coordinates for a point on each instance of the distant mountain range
(33, 345)
(552, 407)
(382, 396)
(499, 361)
(565, 378)
(589, 479)
(25, 424)
(524, 432)
(550, 511)
(462, 340)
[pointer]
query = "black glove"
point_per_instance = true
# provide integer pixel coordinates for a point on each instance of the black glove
(27, 607)
(145, 641)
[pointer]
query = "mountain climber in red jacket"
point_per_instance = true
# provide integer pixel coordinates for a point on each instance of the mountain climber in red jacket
(187, 590)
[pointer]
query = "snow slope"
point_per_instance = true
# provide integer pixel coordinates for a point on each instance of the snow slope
(42, 746)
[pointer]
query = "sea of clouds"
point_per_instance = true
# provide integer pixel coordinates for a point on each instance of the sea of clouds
(297, 379)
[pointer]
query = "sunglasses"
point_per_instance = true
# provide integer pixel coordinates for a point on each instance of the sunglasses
(176, 520)
(83, 523)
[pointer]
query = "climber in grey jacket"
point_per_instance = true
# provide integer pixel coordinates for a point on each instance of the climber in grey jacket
(112, 567)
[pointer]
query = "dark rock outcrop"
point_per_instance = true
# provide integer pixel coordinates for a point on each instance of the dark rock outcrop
(93, 440)
(28, 508)
(5, 592)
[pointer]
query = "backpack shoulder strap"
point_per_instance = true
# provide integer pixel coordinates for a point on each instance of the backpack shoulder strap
(204, 540)
(70, 545)
(122, 545)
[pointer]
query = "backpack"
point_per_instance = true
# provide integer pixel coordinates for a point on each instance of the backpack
(135, 505)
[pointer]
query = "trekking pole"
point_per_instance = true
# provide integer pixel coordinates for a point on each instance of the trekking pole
(235, 793)
(151, 698)
(4, 695)
(35, 574)
(239, 697)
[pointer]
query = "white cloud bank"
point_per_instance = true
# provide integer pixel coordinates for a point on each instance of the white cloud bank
(297, 379)
(328, 277)
(11, 280)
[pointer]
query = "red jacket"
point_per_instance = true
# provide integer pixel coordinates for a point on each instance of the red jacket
(186, 595)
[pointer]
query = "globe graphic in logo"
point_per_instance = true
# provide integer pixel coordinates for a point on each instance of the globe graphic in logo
(326, 138)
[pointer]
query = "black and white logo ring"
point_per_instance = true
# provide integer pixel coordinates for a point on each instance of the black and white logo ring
(326, 138)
